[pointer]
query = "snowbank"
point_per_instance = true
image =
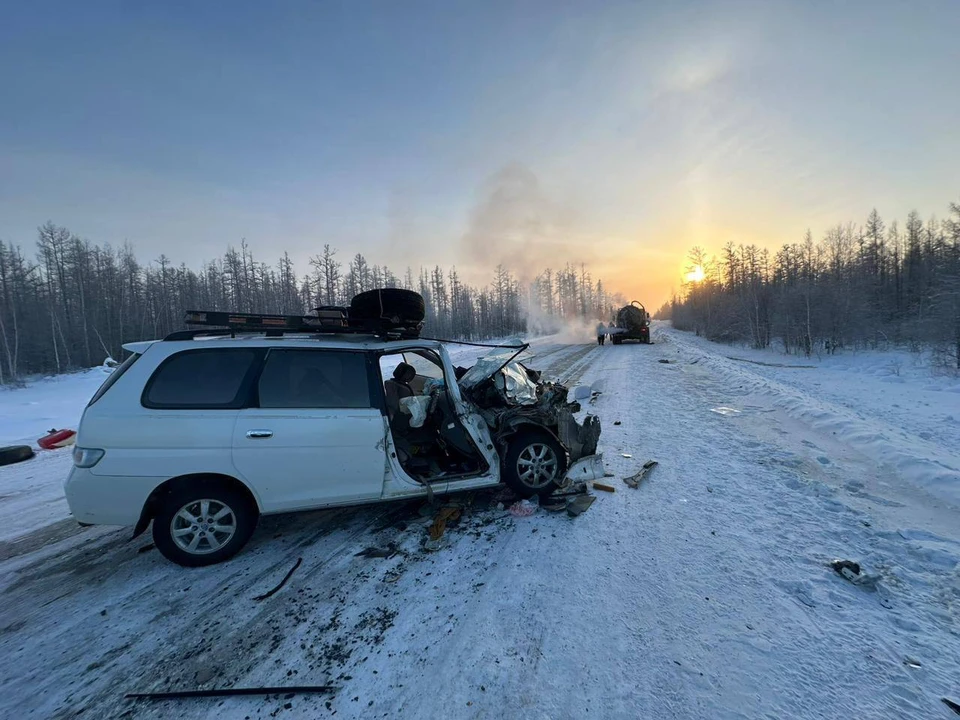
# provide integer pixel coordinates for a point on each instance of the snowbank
(27, 413)
(886, 404)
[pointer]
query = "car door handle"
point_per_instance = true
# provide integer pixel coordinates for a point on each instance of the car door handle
(254, 434)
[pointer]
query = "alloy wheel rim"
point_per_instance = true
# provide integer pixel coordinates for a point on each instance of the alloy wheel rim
(203, 526)
(537, 465)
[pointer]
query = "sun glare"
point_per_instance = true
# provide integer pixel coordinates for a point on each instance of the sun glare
(696, 275)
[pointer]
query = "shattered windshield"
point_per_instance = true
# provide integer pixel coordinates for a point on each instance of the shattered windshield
(490, 363)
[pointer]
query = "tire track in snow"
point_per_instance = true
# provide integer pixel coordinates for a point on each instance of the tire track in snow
(927, 465)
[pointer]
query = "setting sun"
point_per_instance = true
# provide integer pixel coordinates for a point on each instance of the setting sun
(696, 275)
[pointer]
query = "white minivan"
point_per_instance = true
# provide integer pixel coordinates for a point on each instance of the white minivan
(203, 434)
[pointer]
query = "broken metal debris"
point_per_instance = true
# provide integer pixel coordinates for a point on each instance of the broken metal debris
(848, 565)
(376, 552)
(634, 480)
(626, 455)
(724, 410)
(605, 488)
(951, 704)
(617, 422)
(850, 570)
(577, 488)
(586, 468)
(282, 583)
(228, 692)
(580, 504)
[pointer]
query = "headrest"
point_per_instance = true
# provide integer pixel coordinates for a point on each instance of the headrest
(404, 372)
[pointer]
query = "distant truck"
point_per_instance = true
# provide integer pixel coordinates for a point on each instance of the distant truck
(633, 323)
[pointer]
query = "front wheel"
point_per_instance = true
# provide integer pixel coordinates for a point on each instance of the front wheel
(204, 524)
(535, 463)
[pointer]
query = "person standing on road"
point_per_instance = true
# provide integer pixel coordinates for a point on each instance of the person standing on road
(601, 333)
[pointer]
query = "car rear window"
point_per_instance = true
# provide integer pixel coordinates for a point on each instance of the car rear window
(113, 377)
(314, 379)
(201, 379)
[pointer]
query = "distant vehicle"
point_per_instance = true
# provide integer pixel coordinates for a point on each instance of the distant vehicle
(633, 323)
(207, 430)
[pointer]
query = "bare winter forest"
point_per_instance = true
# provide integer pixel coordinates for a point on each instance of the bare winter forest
(871, 285)
(76, 302)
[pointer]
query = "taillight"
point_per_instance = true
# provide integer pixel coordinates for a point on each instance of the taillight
(86, 457)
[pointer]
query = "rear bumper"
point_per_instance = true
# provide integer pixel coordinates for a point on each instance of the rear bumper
(106, 499)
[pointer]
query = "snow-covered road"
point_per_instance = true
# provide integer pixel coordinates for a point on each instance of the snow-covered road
(704, 593)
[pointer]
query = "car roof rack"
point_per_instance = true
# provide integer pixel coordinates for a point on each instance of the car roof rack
(329, 320)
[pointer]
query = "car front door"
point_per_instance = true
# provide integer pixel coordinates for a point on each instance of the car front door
(314, 437)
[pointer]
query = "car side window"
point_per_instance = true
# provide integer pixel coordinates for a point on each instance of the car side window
(425, 363)
(113, 377)
(201, 379)
(314, 379)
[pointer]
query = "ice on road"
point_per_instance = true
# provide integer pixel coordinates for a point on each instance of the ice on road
(705, 592)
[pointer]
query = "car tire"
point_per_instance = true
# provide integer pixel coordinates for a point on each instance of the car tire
(521, 459)
(15, 454)
(202, 542)
(399, 306)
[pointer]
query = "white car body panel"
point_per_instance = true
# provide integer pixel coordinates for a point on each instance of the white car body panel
(313, 458)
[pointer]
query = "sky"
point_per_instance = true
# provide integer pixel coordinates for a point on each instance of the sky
(616, 134)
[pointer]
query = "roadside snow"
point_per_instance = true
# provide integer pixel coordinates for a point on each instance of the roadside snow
(27, 413)
(31, 492)
(885, 404)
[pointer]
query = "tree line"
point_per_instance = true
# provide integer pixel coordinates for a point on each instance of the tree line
(860, 285)
(75, 302)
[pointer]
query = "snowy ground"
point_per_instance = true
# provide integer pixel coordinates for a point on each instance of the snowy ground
(704, 593)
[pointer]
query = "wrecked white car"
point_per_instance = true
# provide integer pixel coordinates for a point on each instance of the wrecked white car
(206, 430)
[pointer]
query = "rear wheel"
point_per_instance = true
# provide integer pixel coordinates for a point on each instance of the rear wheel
(535, 463)
(203, 524)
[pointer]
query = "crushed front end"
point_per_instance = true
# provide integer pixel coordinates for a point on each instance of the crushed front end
(510, 395)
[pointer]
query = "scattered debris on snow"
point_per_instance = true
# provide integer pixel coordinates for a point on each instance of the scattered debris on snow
(234, 692)
(579, 504)
(378, 552)
(634, 480)
(283, 582)
(724, 410)
(850, 570)
(525, 508)
(447, 513)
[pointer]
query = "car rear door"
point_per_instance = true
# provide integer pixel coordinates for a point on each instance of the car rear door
(314, 437)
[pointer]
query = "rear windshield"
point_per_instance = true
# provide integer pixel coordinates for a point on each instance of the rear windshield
(113, 377)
